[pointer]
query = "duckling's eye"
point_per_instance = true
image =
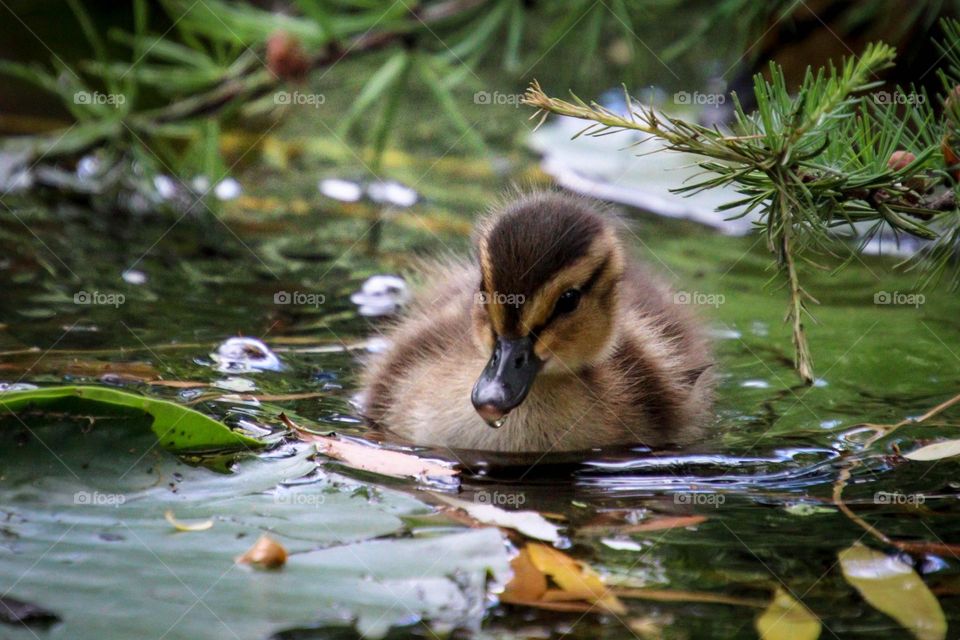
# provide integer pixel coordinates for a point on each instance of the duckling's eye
(567, 301)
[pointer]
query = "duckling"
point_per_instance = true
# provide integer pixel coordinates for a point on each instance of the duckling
(551, 339)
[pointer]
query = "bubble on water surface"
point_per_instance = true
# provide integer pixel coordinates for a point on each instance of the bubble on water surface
(88, 167)
(392, 193)
(239, 385)
(200, 184)
(377, 344)
(342, 190)
(228, 189)
(381, 295)
(245, 355)
(17, 386)
(165, 186)
(134, 276)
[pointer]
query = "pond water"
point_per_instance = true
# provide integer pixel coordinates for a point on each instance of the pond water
(82, 531)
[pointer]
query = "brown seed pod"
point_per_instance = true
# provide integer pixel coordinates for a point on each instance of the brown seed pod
(286, 57)
(266, 553)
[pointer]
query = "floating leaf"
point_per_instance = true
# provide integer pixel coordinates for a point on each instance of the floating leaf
(787, 619)
(179, 428)
(529, 523)
(892, 586)
(528, 583)
(396, 464)
(265, 553)
(201, 525)
(935, 451)
(578, 587)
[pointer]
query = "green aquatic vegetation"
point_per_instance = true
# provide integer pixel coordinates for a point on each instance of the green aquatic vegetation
(178, 428)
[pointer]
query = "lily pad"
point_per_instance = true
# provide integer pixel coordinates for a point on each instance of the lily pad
(86, 518)
(179, 428)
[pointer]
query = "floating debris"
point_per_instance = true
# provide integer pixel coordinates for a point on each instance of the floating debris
(377, 344)
(180, 525)
(342, 190)
(382, 192)
(245, 355)
(200, 184)
(228, 189)
(134, 276)
(21, 180)
(14, 174)
(266, 553)
(392, 193)
(238, 385)
(381, 295)
(89, 167)
(16, 386)
(166, 187)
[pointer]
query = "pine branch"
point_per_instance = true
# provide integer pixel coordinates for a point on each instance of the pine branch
(807, 162)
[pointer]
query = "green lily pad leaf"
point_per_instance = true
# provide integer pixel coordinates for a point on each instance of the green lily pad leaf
(86, 517)
(179, 428)
(892, 586)
(935, 451)
(787, 619)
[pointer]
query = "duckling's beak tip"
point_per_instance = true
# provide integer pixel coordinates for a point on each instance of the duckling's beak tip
(492, 415)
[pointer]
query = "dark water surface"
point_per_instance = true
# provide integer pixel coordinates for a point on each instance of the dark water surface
(81, 503)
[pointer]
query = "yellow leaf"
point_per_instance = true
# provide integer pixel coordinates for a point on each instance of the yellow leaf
(787, 619)
(187, 526)
(892, 586)
(576, 580)
(528, 583)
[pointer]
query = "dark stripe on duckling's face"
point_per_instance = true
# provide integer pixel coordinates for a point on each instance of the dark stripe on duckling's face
(526, 248)
(548, 287)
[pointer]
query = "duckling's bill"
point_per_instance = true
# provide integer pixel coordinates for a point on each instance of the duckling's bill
(506, 380)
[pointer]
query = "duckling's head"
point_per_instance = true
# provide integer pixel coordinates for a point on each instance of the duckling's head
(550, 267)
